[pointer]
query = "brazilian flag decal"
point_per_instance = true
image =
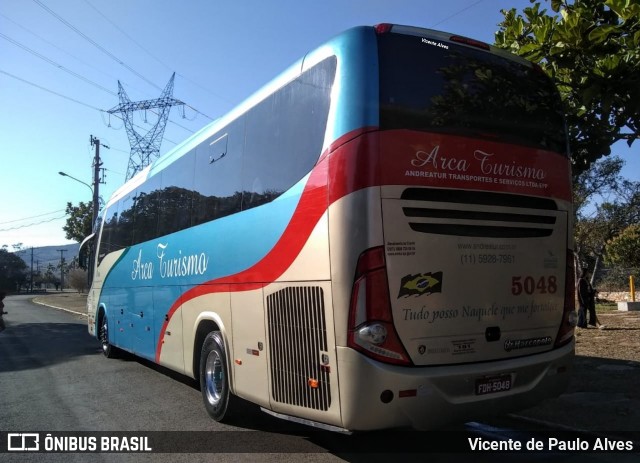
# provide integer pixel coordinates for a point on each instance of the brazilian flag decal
(422, 283)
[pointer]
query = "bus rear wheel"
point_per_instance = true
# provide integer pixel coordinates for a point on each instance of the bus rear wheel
(214, 378)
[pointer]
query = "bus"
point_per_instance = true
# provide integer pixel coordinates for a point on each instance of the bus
(379, 238)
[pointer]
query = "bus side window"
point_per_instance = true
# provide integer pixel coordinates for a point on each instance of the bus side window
(176, 197)
(218, 148)
(146, 210)
(123, 236)
(285, 135)
(217, 177)
(108, 228)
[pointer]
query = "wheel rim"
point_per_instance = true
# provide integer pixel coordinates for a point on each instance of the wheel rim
(104, 335)
(214, 378)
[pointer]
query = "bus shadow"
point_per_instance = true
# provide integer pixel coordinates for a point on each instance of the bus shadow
(275, 435)
(36, 345)
(174, 375)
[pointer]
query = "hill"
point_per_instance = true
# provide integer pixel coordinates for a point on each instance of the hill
(45, 255)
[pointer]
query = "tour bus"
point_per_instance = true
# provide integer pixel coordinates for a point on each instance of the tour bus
(381, 237)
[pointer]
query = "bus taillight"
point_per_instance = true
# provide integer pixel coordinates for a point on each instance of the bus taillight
(371, 329)
(470, 42)
(569, 316)
(383, 28)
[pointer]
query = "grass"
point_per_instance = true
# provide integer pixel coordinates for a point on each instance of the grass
(606, 306)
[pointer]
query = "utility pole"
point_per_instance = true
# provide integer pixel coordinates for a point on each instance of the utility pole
(61, 268)
(97, 180)
(31, 277)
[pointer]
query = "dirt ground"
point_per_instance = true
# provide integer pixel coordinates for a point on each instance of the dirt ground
(604, 391)
(65, 300)
(618, 339)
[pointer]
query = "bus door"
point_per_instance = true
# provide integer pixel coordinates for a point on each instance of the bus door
(249, 353)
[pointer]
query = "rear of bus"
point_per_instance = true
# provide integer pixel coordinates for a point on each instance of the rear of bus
(450, 237)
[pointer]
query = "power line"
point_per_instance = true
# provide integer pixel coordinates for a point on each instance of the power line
(106, 18)
(66, 97)
(32, 217)
(108, 53)
(456, 13)
(50, 91)
(75, 74)
(93, 42)
(19, 227)
(79, 76)
(51, 44)
(58, 65)
(125, 34)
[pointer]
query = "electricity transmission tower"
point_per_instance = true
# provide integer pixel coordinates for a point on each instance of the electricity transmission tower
(145, 148)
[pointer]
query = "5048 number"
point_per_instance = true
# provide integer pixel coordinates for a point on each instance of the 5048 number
(531, 285)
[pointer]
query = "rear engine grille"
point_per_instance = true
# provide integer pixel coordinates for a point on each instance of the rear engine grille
(297, 340)
(503, 216)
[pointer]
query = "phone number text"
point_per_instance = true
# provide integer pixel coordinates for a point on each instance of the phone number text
(473, 259)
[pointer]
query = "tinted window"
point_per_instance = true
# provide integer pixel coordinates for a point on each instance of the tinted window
(146, 210)
(232, 169)
(176, 195)
(123, 236)
(217, 178)
(468, 91)
(285, 134)
(108, 229)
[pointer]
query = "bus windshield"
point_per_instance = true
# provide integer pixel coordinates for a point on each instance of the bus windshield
(438, 86)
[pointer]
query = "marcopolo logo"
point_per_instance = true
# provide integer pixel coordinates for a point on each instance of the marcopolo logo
(513, 344)
(421, 283)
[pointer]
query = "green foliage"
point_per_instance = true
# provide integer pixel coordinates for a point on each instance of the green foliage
(624, 249)
(13, 271)
(604, 205)
(591, 48)
(603, 179)
(617, 278)
(78, 225)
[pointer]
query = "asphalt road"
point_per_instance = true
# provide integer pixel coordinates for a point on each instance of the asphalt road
(53, 378)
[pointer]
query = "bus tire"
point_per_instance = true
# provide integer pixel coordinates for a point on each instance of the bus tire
(214, 378)
(108, 350)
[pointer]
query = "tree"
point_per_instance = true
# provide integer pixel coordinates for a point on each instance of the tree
(13, 270)
(50, 276)
(591, 48)
(601, 181)
(597, 224)
(78, 280)
(79, 224)
(624, 249)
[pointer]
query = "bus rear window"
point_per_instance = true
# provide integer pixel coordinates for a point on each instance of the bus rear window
(439, 86)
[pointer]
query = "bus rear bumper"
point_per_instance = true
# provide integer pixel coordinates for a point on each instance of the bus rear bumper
(430, 397)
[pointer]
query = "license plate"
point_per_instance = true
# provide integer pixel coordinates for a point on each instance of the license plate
(493, 384)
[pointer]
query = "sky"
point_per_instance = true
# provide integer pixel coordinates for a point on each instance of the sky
(61, 60)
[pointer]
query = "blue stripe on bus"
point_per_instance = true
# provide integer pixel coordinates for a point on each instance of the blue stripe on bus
(151, 276)
(358, 83)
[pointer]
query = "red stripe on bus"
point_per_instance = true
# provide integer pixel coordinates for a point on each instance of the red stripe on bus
(312, 205)
(366, 158)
